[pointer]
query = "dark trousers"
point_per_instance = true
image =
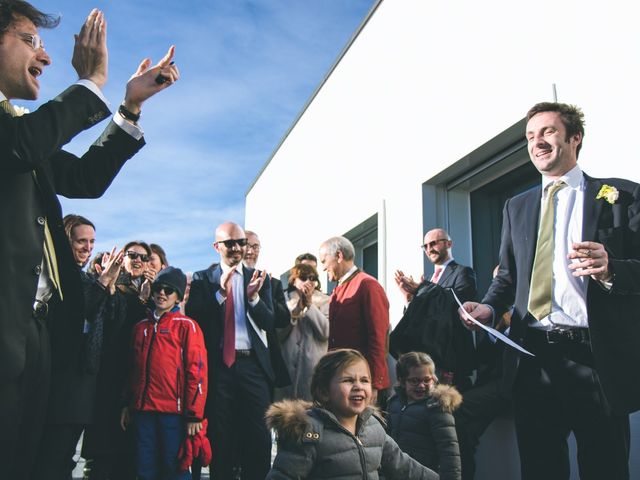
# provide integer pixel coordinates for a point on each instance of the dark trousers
(558, 392)
(240, 435)
(57, 449)
(158, 439)
(23, 404)
(480, 406)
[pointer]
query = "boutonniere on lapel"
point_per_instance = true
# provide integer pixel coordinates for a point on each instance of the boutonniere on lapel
(20, 110)
(609, 193)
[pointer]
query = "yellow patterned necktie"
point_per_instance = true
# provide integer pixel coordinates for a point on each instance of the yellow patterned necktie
(540, 291)
(7, 107)
(50, 257)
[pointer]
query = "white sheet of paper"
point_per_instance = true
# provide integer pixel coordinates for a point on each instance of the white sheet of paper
(490, 330)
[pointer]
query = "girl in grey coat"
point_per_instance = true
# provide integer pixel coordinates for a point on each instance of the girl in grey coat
(341, 437)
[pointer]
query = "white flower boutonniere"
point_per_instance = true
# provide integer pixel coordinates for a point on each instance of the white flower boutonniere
(20, 110)
(609, 193)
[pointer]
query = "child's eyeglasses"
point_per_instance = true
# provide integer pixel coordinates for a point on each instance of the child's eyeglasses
(133, 255)
(415, 381)
(168, 290)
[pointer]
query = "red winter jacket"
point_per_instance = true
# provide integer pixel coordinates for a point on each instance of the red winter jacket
(169, 366)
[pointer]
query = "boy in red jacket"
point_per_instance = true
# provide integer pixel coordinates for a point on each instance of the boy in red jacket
(168, 385)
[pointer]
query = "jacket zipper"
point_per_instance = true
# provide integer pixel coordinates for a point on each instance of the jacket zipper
(199, 391)
(363, 461)
(148, 365)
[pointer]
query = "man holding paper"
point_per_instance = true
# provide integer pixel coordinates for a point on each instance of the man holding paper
(570, 265)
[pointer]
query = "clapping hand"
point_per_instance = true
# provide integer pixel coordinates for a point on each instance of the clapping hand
(146, 82)
(90, 55)
(407, 285)
(110, 269)
(255, 284)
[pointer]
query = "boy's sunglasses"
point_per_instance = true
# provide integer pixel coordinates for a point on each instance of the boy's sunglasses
(168, 290)
(133, 255)
(241, 242)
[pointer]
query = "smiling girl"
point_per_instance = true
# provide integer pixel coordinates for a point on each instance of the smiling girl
(340, 436)
(421, 416)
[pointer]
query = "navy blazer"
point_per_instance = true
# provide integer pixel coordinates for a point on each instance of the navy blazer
(204, 308)
(613, 316)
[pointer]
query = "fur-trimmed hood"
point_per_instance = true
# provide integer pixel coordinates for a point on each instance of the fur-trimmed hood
(289, 418)
(446, 397)
(301, 420)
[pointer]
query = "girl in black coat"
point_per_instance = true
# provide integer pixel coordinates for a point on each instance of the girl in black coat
(421, 416)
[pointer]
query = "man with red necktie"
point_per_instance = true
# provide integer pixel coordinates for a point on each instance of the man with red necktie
(233, 305)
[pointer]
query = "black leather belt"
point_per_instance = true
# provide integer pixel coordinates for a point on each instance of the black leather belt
(560, 336)
(40, 310)
(243, 353)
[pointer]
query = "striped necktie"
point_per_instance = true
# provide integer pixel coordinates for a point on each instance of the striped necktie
(49, 253)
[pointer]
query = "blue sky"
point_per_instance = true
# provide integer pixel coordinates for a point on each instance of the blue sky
(247, 69)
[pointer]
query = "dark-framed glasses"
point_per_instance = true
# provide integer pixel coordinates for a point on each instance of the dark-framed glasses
(133, 255)
(161, 287)
(415, 381)
(32, 39)
(433, 243)
(241, 242)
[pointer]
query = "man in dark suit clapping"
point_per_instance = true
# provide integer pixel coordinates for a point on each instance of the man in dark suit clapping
(233, 305)
(40, 282)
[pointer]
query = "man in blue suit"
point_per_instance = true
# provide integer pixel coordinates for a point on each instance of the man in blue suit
(233, 305)
(570, 266)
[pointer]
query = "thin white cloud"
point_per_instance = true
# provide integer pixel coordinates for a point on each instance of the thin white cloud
(247, 68)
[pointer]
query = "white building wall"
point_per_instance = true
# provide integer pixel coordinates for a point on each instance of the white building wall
(424, 84)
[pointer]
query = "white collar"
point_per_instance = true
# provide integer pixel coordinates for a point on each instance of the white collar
(572, 178)
(348, 274)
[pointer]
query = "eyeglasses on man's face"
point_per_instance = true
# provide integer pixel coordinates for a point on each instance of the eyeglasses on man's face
(32, 39)
(133, 255)
(241, 242)
(433, 243)
(167, 289)
(253, 246)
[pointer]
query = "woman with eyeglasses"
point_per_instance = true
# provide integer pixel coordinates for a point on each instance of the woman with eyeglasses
(110, 452)
(420, 417)
(304, 341)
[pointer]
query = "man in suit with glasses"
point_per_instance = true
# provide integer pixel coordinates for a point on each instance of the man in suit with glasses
(40, 282)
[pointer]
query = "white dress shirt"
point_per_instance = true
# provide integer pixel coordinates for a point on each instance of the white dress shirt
(569, 298)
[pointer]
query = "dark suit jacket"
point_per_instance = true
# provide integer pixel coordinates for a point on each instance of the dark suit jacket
(431, 324)
(613, 316)
(282, 320)
(29, 143)
(204, 308)
(462, 280)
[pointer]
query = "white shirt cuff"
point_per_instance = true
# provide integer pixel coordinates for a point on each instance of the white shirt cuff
(134, 130)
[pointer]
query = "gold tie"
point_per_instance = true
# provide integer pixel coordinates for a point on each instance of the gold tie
(541, 285)
(49, 250)
(7, 107)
